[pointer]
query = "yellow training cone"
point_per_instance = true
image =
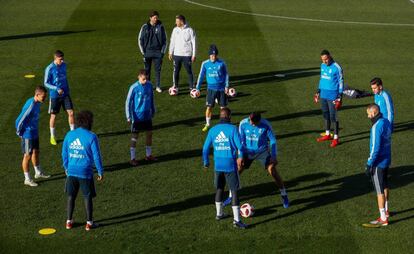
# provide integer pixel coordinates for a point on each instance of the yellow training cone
(47, 231)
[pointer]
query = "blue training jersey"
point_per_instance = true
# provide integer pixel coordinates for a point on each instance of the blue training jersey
(216, 75)
(139, 104)
(331, 84)
(80, 151)
(225, 140)
(55, 79)
(384, 101)
(256, 139)
(27, 122)
(380, 144)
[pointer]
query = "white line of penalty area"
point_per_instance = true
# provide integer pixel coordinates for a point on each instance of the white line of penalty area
(300, 18)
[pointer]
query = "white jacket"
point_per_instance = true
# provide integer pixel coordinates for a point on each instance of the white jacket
(183, 41)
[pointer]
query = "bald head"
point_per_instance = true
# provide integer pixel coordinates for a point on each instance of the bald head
(225, 114)
(372, 110)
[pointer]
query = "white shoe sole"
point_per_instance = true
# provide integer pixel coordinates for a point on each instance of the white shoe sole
(42, 176)
(31, 184)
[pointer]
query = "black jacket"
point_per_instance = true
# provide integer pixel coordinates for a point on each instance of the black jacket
(152, 40)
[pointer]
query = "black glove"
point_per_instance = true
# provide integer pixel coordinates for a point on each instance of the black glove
(369, 170)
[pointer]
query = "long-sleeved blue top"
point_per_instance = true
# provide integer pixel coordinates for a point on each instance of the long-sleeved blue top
(28, 120)
(80, 152)
(256, 139)
(55, 79)
(139, 104)
(215, 73)
(227, 146)
(380, 144)
(331, 83)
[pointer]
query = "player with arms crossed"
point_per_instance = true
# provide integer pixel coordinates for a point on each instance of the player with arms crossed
(57, 83)
(139, 110)
(257, 137)
(27, 128)
(80, 152)
(226, 143)
(330, 90)
(215, 71)
(379, 160)
(383, 99)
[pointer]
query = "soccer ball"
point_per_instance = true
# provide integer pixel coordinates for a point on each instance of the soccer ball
(232, 92)
(246, 210)
(194, 93)
(173, 91)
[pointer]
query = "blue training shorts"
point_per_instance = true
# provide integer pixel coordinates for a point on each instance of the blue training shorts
(212, 95)
(28, 145)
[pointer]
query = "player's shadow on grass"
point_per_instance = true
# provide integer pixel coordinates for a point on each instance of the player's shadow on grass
(310, 113)
(248, 192)
(341, 189)
(43, 34)
(190, 122)
(282, 75)
(239, 95)
(398, 127)
(162, 158)
(187, 154)
(402, 212)
(263, 77)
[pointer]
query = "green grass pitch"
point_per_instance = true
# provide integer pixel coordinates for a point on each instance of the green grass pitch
(168, 206)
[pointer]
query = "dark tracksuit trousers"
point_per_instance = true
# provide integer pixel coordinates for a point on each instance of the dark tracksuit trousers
(330, 115)
(178, 62)
(155, 57)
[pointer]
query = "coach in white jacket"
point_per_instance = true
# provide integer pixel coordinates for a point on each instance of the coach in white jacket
(182, 50)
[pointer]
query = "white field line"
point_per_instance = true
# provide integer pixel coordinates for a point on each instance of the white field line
(300, 18)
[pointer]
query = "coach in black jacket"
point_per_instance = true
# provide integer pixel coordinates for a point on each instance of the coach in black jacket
(152, 42)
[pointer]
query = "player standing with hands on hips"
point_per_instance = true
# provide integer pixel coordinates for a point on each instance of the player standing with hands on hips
(329, 93)
(27, 128)
(379, 160)
(228, 156)
(139, 110)
(215, 71)
(152, 42)
(80, 152)
(57, 83)
(182, 50)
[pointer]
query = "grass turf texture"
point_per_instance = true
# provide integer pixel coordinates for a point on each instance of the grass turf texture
(168, 206)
